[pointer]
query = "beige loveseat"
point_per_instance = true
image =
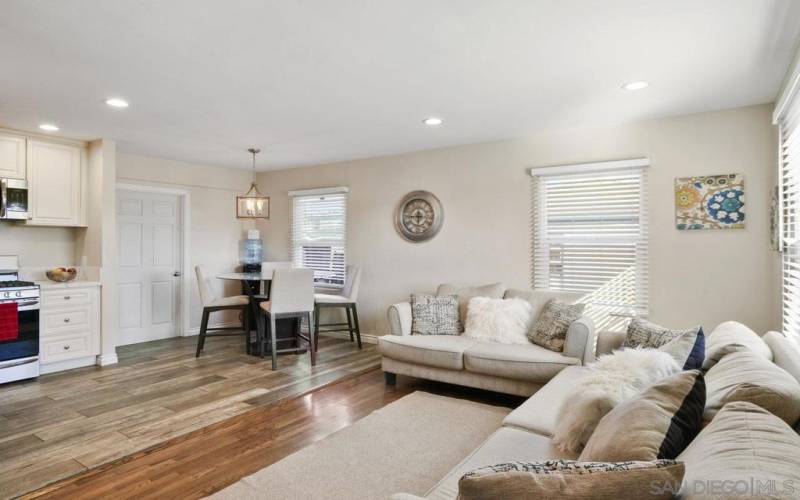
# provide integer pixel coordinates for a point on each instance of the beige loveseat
(526, 434)
(519, 369)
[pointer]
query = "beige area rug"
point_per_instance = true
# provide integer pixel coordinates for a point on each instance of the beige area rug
(407, 446)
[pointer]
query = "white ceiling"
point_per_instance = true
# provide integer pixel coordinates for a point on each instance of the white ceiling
(317, 81)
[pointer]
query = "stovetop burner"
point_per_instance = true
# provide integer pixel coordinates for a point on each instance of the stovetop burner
(16, 284)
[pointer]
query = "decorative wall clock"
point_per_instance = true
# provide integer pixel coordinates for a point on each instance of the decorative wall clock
(419, 216)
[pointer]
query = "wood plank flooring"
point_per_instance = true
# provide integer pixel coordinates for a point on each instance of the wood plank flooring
(70, 422)
(199, 463)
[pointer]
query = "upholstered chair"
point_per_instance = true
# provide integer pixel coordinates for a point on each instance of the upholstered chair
(213, 304)
(347, 301)
(291, 296)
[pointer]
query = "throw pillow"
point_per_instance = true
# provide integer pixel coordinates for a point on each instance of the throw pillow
(746, 376)
(434, 315)
(465, 293)
(745, 447)
(642, 333)
(732, 336)
(550, 329)
(572, 479)
(688, 349)
(505, 321)
(657, 424)
(613, 379)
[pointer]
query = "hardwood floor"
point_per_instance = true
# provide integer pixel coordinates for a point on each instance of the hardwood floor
(204, 461)
(66, 423)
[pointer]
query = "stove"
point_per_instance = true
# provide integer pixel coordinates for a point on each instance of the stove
(19, 323)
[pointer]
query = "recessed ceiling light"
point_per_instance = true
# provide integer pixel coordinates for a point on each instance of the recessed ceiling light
(638, 85)
(48, 127)
(116, 102)
(432, 121)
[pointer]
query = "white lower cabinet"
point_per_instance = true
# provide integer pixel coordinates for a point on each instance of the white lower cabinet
(69, 327)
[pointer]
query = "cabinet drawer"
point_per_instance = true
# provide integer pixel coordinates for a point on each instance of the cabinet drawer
(76, 346)
(65, 320)
(65, 298)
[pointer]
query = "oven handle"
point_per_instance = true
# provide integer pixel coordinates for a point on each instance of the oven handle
(18, 362)
(3, 197)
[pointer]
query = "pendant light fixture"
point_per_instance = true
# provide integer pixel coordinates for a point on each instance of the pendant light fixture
(252, 204)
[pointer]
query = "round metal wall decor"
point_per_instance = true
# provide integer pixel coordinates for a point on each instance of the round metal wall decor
(419, 216)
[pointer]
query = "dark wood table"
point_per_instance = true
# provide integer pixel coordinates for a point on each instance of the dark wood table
(285, 328)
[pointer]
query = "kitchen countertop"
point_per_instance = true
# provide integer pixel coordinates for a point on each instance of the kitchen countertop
(52, 285)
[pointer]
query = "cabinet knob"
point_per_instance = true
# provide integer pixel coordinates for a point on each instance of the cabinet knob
(66, 320)
(66, 347)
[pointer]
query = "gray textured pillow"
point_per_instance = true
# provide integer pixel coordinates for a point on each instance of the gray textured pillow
(571, 479)
(434, 315)
(642, 333)
(550, 329)
(465, 293)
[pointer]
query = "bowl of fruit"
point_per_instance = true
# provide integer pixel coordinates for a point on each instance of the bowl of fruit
(61, 274)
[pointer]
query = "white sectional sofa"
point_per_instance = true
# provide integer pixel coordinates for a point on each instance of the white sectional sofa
(526, 433)
(512, 369)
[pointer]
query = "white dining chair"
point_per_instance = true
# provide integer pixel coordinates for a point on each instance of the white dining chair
(346, 300)
(212, 304)
(291, 296)
(268, 268)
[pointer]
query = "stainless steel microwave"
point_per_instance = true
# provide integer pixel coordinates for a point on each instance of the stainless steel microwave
(13, 199)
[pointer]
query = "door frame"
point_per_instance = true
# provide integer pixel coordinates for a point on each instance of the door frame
(185, 197)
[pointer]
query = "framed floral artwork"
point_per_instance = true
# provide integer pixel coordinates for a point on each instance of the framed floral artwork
(710, 202)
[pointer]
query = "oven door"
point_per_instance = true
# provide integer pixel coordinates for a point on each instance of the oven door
(26, 344)
(13, 199)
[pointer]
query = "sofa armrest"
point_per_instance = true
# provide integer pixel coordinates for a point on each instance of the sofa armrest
(399, 316)
(580, 341)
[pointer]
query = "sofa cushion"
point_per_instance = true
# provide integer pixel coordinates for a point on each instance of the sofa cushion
(493, 291)
(540, 412)
(550, 328)
(434, 315)
(442, 351)
(688, 349)
(745, 446)
(643, 333)
(505, 445)
(571, 479)
(539, 297)
(746, 376)
(521, 362)
(785, 352)
(505, 321)
(657, 424)
(732, 336)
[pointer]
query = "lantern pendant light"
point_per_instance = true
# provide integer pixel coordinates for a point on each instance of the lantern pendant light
(252, 204)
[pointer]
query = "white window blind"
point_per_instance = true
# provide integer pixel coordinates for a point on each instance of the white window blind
(789, 193)
(319, 234)
(590, 236)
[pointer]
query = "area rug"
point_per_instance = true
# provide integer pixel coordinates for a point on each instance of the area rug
(407, 446)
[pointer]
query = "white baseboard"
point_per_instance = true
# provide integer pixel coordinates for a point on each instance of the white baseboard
(367, 338)
(107, 359)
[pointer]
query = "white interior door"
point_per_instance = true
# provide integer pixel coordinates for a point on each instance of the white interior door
(149, 228)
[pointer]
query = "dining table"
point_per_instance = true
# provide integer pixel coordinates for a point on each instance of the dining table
(256, 286)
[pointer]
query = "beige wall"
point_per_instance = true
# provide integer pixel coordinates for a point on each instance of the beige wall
(215, 230)
(696, 277)
(39, 246)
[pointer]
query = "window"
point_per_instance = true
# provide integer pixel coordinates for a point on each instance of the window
(590, 236)
(319, 219)
(788, 118)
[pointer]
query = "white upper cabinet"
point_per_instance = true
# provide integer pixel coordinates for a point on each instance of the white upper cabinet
(12, 156)
(56, 180)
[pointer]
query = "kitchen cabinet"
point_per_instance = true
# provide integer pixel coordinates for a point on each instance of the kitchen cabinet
(56, 183)
(12, 156)
(69, 326)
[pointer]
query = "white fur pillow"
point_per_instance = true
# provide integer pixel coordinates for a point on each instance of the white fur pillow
(505, 321)
(614, 378)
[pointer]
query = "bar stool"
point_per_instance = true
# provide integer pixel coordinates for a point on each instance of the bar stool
(213, 304)
(347, 301)
(291, 296)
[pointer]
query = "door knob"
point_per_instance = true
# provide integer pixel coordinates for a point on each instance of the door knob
(177, 274)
